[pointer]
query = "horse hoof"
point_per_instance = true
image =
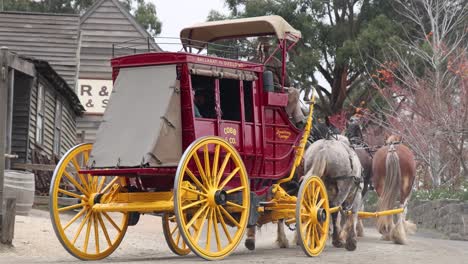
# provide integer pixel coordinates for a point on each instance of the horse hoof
(385, 237)
(338, 243)
(351, 244)
(250, 244)
(360, 233)
(283, 244)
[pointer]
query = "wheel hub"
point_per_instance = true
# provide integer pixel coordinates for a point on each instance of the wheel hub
(220, 197)
(321, 215)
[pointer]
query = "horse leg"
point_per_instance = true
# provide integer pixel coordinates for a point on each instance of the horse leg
(342, 194)
(250, 241)
(398, 233)
(337, 242)
(351, 242)
(352, 221)
(360, 226)
(281, 236)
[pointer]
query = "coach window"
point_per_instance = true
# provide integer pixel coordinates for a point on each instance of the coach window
(248, 101)
(203, 89)
(229, 94)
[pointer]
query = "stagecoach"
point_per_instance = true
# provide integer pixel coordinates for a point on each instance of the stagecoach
(209, 176)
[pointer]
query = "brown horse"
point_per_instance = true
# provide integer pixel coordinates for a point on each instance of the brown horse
(393, 173)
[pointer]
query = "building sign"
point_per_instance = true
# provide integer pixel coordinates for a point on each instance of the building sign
(94, 94)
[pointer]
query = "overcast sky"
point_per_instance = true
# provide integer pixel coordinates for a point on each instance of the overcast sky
(177, 14)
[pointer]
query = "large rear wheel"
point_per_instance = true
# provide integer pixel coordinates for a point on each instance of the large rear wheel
(85, 234)
(213, 223)
(312, 216)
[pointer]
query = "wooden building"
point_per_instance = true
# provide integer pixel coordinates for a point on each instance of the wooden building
(107, 29)
(42, 111)
(79, 49)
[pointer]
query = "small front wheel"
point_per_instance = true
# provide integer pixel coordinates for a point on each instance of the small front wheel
(312, 216)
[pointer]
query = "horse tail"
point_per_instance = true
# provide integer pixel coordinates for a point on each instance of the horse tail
(319, 165)
(391, 188)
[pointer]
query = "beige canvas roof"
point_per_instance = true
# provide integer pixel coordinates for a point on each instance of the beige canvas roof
(243, 27)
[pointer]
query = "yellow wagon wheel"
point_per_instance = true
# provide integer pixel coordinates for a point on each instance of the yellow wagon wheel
(312, 216)
(85, 234)
(212, 202)
(173, 238)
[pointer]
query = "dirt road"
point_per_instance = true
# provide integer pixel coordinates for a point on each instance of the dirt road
(35, 242)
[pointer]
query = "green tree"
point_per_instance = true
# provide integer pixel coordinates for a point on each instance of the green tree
(145, 13)
(341, 38)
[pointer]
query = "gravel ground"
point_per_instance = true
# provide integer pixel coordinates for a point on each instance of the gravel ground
(35, 242)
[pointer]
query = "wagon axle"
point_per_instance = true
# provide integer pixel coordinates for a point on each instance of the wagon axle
(220, 197)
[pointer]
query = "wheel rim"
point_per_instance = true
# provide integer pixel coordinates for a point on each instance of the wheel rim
(173, 237)
(312, 216)
(83, 233)
(222, 207)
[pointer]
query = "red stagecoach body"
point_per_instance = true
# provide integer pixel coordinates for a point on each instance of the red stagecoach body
(250, 118)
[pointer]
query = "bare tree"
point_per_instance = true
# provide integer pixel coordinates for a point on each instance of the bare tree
(425, 85)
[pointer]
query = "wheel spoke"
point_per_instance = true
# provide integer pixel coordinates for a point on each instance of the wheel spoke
(208, 233)
(307, 234)
(214, 171)
(200, 168)
(195, 180)
(193, 204)
(96, 233)
(201, 225)
(83, 181)
(235, 205)
(240, 188)
(194, 191)
(94, 180)
(80, 228)
(101, 184)
(112, 222)
(316, 234)
(317, 193)
(76, 165)
(88, 230)
(70, 193)
(311, 193)
(223, 224)
(322, 229)
(320, 203)
(71, 207)
(177, 239)
(85, 157)
(74, 218)
(173, 230)
(229, 177)
(229, 216)
(312, 237)
(207, 164)
(215, 223)
(109, 185)
(104, 230)
(222, 168)
(195, 217)
(75, 183)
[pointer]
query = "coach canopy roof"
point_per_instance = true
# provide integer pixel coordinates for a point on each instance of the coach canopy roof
(198, 34)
